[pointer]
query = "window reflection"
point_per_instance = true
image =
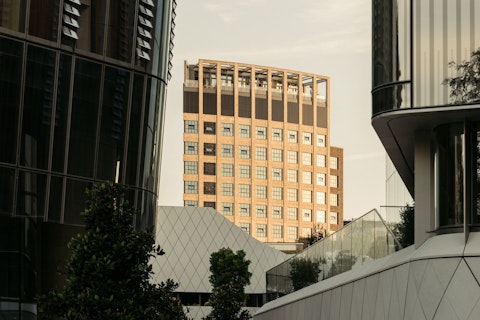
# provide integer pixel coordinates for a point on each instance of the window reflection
(11, 66)
(12, 15)
(44, 15)
(37, 110)
(84, 118)
(112, 132)
(134, 131)
(120, 30)
(31, 194)
(91, 26)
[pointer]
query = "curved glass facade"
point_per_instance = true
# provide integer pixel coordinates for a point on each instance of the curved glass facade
(414, 43)
(82, 91)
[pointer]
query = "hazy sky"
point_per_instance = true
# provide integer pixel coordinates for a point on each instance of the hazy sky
(327, 37)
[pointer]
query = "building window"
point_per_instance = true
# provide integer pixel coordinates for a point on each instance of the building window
(277, 212)
(292, 195)
(307, 158)
(209, 149)
(209, 168)
(245, 227)
(306, 215)
(227, 208)
(321, 140)
(307, 196)
(244, 152)
(320, 197)
(307, 177)
(261, 153)
(244, 131)
(292, 136)
(277, 193)
(209, 188)
(292, 232)
(277, 231)
(277, 174)
(261, 211)
(292, 157)
(244, 190)
(320, 216)
(261, 230)
(277, 155)
(227, 150)
(320, 179)
(261, 173)
(191, 147)
(321, 160)
(227, 129)
(190, 167)
(261, 192)
(227, 170)
(307, 138)
(244, 171)
(292, 213)
(333, 199)
(190, 203)
(191, 187)
(333, 163)
(277, 134)
(333, 217)
(292, 175)
(244, 209)
(190, 126)
(209, 128)
(334, 181)
(227, 189)
(306, 232)
(210, 204)
(261, 132)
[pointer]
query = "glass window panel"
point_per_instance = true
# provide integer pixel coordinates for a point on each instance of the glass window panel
(84, 118)
(134, 137)
(112, 131)
(11, 66)
(75, 201)
(13, 15)
(44, 18)
(91, 27)
(31, 194)
(37, 110)
(56, 199)
(61, 113)
(7, 180)
(120, 30)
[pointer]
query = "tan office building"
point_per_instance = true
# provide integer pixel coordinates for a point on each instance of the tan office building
(257, 149)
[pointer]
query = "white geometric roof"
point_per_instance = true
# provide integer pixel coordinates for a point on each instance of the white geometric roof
(189, 235)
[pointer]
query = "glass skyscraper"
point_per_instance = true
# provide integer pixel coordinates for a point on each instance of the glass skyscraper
(82, 99)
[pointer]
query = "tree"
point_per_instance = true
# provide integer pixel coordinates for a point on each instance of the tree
(406, 228)
(108, 272)
(304, 272)
(344, 261)
(465, 87)
(229, 277)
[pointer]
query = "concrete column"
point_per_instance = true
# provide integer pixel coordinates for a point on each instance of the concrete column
(424, 187)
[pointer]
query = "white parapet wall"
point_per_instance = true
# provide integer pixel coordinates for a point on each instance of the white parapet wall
(439, 280)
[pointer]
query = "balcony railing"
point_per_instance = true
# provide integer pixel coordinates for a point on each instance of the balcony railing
(364, 239)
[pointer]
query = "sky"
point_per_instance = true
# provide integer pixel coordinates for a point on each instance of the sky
(326, 37)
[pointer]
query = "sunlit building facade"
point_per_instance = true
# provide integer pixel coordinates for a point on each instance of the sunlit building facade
(257, 149)
(82, 98)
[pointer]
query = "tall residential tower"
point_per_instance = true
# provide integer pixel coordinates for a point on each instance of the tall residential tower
(257, 149)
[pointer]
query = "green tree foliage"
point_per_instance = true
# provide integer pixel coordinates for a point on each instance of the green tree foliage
(107, 275)
(229, 277)
(406, 228)
(304, 272)
(465, 87)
